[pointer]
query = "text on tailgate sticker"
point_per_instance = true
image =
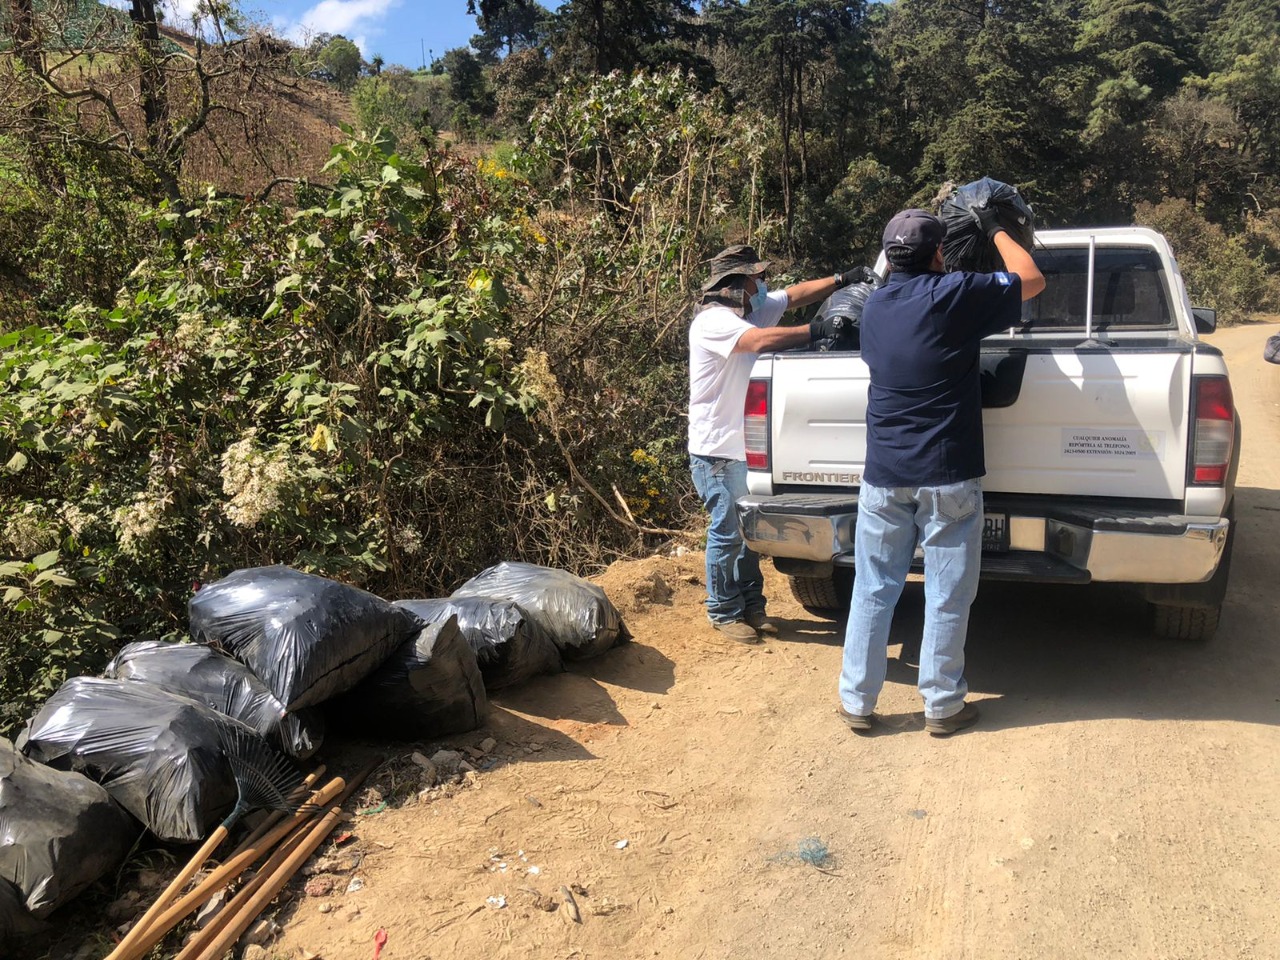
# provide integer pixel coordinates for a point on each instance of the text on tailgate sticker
(1128, 444)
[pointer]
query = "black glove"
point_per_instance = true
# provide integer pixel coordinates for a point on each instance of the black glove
(824, 328)
(987, 219)
(855, 275)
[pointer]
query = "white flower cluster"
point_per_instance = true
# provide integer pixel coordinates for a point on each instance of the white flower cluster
(253, 478)
(27, 533)
(76, 519)
(191, 331)
(409, 540)
(137, 522)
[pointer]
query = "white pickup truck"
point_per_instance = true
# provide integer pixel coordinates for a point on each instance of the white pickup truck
(1111, 441)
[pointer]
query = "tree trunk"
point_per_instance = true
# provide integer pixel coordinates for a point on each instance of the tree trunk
(29, 52)
(26, 45)
(783, 77)
(152, 81)
(597, 17)
(804, 150)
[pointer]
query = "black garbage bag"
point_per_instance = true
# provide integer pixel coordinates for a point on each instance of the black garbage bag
(965, 246)
(59, 833)
(508, 650)
(573, 612)
(15, 922)
(159, 755)
(845, 307)
(430, 687)
(306, 637)
(226, 685)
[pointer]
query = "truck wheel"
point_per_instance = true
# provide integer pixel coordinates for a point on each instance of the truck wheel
(826, 597)
(1190, 611)
(1186, 623)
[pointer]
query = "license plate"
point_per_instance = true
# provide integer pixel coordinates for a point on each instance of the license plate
(995, 532)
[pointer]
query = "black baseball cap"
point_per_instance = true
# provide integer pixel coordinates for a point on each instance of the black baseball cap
(911, 238)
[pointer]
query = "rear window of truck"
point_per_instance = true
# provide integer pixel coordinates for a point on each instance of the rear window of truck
(1129, 291)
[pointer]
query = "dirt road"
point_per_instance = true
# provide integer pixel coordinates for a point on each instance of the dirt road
(1121, 797)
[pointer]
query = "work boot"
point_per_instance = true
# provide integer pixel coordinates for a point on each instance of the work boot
(967, 717)
(760, 622)
(857, 722)
(737, 630)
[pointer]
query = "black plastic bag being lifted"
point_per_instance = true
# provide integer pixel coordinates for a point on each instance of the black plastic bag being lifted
(508, 650)
(845, 307)
(59, 832)
(159, 755)
(307, 638)
(965, 246)
(573, 612)
(430, 687)
(226, 685)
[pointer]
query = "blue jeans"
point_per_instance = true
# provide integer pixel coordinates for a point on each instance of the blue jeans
(947, 522)
(734, 583)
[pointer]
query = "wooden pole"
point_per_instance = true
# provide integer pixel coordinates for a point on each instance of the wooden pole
(275, 880)
(142, 938)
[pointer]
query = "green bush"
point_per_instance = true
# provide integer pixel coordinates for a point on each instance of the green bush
(423, 369)
(1219, 269)
(302, 387)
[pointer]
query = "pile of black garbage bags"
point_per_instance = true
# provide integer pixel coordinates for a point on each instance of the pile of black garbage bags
(276, 655)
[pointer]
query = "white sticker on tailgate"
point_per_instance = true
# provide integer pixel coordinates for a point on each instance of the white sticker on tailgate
(1131, 444)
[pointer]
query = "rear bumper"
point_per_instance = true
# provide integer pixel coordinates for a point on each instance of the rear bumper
(1061, 541)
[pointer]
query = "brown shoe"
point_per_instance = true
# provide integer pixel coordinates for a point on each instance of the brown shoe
(737, 630)
(856, 722)
(967, 717)
(760, 622)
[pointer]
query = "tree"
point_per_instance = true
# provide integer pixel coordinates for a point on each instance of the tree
(466, 81)
(379, 105)
(341, 58)
(521, 82)
(810, 61)
(376, 64)
(514, 28)
(1137, 39)
(597, 36)
(146, 101)
(1196, 139)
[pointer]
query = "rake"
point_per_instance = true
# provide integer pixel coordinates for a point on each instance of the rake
(265, 780)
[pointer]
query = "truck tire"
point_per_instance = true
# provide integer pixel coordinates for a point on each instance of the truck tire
(826, 597)
(1191, 611)
(1186, 623)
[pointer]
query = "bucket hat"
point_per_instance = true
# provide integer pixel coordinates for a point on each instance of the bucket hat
(737, 260)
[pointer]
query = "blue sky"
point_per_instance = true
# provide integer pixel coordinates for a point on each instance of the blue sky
(398, 30)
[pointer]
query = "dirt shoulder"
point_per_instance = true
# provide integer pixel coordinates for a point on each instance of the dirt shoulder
(1117, 800)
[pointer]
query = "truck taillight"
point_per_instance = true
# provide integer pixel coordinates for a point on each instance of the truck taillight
(1214, 434)
(756, 422)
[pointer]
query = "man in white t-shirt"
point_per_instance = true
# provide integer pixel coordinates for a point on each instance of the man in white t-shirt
(737, 320)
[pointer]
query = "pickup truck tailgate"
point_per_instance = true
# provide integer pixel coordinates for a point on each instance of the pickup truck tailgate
(1071, 420)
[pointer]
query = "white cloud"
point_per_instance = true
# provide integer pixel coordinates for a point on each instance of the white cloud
(359, 20)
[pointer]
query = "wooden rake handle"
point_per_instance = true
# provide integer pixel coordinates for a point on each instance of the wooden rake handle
(272, 881)
(146, 935)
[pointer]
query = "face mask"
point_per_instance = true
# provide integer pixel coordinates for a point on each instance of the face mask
(758, 298)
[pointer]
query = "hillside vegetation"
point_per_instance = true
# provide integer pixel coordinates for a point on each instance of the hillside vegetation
(236, 330)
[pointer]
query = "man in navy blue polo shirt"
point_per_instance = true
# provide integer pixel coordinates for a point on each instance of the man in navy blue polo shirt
(923, 479)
